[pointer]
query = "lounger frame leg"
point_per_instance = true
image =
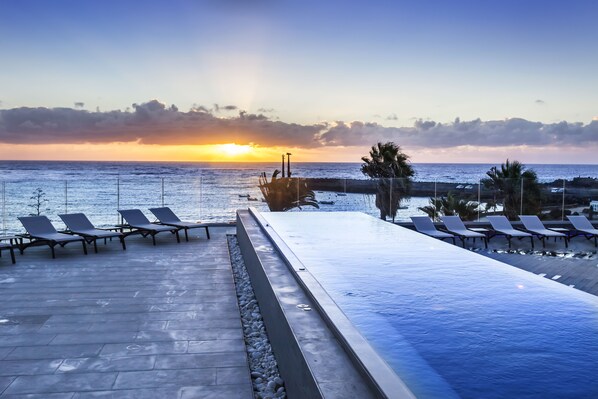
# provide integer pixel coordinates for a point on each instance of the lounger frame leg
(85, 246)
(178, 239)
(154, 239)
(12, 255)
(186, 235)
(208, 234)
(122, 241)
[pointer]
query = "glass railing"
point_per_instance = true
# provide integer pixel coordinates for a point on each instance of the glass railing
(212, 199)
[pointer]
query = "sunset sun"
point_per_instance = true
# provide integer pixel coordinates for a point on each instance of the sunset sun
(233, 150)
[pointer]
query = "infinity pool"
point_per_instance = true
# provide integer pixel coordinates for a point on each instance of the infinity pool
(450, 322)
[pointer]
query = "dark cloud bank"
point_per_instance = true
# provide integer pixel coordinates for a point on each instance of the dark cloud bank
(155, 123)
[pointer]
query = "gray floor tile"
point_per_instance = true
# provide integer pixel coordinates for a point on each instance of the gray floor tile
(232, 375)
(201, 360)
(5, 351)
(28, 367)
(219, 345)
(53, 351)
(111, 363)
(61, 395)
(165, 378)
(104, 337)
(237, 391)
(145, 348)
(26, 339)
(6, 381)
(62, 383)
(150, 393)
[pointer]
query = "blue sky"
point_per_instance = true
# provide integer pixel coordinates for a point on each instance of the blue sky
(388, 62)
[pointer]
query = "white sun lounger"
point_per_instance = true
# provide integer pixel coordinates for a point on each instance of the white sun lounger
(79, 224)
(534, 225)
(424, 225)
(167, 217)
(584, 227)
(502, 226)
(137, 220)
(455, 225)
(41, 231)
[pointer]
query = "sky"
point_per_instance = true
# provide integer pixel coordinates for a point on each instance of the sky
(243, 80)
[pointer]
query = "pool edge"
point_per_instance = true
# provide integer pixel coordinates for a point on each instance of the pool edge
(374, 372)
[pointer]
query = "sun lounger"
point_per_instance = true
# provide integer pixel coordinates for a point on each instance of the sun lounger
(534, 225)
(584, 227)
(424, 225)
(137, 220)
(41, 231)
(79, 224)
(502, 226)
(167, 217)
(4, 246)
(455, 225)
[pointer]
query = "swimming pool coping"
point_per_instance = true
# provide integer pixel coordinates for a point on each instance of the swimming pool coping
(379, 375)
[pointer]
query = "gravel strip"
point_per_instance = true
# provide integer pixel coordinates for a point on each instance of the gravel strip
(265, 378)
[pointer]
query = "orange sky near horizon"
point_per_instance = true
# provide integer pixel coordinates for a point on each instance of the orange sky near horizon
(172, 153)
(242, 153)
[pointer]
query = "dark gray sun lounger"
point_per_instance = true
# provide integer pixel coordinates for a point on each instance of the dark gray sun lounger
(455, 225)
(137, 220)
(534, 225)
(41, 231)
(4, 246)
(584, 227)
(167, 217)
(424, 225)
(79, 224)
(502, 226)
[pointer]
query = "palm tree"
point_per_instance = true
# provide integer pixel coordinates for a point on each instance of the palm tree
(282, 194)
(391, 167)
(451, 206)
(508, 183)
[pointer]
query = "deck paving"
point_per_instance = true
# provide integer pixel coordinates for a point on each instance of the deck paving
(576, 266)
(148, 322)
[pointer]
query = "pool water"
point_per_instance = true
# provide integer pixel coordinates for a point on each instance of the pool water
(450, 322)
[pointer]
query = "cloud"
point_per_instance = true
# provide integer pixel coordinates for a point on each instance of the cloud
(154, 122)
(540, 102)
(392, 117)
(79, 105)
(149, 123)
(266, 110)
(430, 134)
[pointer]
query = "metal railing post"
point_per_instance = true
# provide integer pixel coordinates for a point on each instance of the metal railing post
(479, 197)
(563, 207)
(435, 216)
(66, 196)
(118, 219)
(200, 195)
(521, 206)
(4, 207)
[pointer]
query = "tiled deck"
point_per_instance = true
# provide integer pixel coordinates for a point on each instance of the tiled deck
(149, 322)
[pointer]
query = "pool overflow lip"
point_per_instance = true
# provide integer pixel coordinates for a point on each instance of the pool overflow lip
(379, 375)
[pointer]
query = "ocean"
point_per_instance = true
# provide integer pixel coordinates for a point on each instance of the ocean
(210, 192)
